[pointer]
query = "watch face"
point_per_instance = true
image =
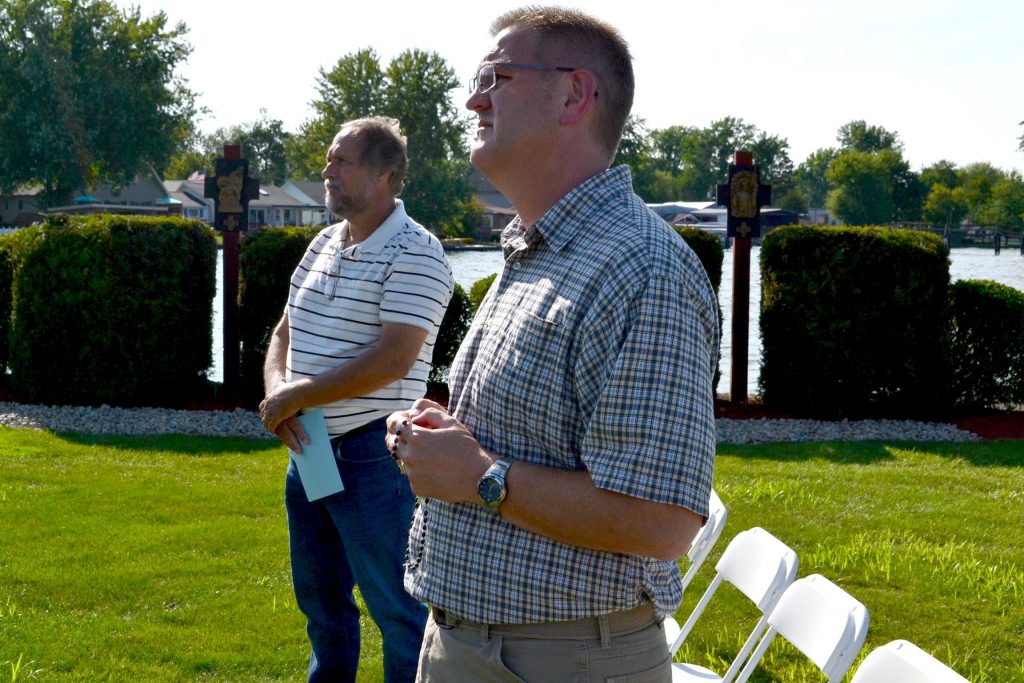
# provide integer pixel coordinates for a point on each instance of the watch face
(491, 491)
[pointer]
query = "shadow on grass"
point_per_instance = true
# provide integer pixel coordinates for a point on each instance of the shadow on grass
(185, 444)
(984, 454)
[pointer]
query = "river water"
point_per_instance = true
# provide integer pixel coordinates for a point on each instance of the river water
(469, 266)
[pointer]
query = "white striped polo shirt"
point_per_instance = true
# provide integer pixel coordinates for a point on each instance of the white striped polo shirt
(339, 299)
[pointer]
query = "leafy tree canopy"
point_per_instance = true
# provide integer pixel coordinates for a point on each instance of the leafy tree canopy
(88, 94)
(415, 88)
(860, 136)
(810, 176)
(688, 163)
(862, 188)
(263, 144)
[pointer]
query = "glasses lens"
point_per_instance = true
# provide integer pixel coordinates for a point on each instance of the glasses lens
(484, 80)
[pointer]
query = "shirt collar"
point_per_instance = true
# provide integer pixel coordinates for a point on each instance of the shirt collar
(577, 210)
(391, 226)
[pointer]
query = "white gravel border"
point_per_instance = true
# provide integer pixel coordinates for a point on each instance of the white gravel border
(246, 424)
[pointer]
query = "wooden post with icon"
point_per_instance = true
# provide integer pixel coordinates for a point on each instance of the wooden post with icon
(231, 189)
(743, 195)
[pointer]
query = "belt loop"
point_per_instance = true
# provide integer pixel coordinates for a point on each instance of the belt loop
(606, 634)
(485, 633)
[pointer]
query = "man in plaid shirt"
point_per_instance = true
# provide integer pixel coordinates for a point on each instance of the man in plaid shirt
(574, 463)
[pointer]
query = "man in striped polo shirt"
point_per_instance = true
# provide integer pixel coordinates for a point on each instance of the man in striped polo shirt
(356, 339)
(575, 464)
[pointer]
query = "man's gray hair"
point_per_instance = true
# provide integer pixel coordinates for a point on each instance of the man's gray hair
(383, 147)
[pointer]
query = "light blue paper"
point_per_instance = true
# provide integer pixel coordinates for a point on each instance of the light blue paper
(318, 470)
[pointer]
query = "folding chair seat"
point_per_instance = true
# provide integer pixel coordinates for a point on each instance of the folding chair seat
(761, 567)
(903, 662)
(822, 621)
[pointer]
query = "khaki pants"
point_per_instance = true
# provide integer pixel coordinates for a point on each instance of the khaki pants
(624, 647)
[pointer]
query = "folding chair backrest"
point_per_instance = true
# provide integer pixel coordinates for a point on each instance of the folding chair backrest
(821, 620)
(903, 662)
(706, 537)
(761, 567)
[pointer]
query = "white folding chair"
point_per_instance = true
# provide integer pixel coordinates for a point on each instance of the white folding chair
(820, 619)
(699, 550)
(761, 567)
(706, 538)
(903, 662)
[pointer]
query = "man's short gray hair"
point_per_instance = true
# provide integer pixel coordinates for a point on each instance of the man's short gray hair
(384, 148)
(569, 37)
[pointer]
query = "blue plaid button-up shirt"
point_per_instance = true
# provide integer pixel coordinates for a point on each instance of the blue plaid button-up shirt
(594, 350)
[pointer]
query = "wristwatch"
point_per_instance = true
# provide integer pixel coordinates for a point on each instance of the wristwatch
(491, 487)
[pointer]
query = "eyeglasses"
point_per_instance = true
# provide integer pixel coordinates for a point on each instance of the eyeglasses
(486, 78)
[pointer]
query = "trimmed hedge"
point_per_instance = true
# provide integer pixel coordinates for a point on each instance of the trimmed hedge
(708, 248)
(987, 344)
(854, 322)
(478, 291)
(112, 309)
(267, 259)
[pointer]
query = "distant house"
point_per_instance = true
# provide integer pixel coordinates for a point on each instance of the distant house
(276, 206)
(145, 195)
(190, 193)
(19, 208)
(497, 209)
(311, 193)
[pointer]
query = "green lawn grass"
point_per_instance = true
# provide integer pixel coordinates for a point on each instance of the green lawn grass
(165, 558)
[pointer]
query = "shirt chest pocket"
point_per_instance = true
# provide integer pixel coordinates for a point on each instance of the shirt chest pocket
(528, 353)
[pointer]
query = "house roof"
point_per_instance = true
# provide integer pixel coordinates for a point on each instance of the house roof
(311, 190)
(272, 196)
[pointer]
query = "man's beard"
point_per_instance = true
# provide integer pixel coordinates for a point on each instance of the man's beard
(345, 205)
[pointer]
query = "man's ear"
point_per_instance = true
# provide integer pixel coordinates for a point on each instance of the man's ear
(580, 97)
(383, 179)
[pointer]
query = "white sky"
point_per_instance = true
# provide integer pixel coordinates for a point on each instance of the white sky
(947, 75)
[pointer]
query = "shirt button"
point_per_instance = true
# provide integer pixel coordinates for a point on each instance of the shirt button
(516, 265)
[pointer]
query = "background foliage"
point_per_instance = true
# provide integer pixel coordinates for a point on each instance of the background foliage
(267, 259)
(414, 88)
(113, 309)
(88, 94)
(854, 322)
(987, 344)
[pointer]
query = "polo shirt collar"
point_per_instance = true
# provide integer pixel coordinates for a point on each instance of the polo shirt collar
(392, 225)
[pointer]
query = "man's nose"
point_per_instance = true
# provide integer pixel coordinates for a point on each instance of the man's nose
(478, 100)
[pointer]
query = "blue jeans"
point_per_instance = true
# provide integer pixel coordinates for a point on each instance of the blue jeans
(357, 536)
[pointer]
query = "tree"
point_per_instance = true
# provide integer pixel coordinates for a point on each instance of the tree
(1005, 204)
(811, 176)
(860, 136)
(945, 205)
(771, 154)
(634, 151)
(906, 190)
(88, 94)
(942, 172)
(416, 89)
(263, 144)
(977, 180)
(862, 191)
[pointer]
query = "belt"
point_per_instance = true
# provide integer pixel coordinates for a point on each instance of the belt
(602, 626)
